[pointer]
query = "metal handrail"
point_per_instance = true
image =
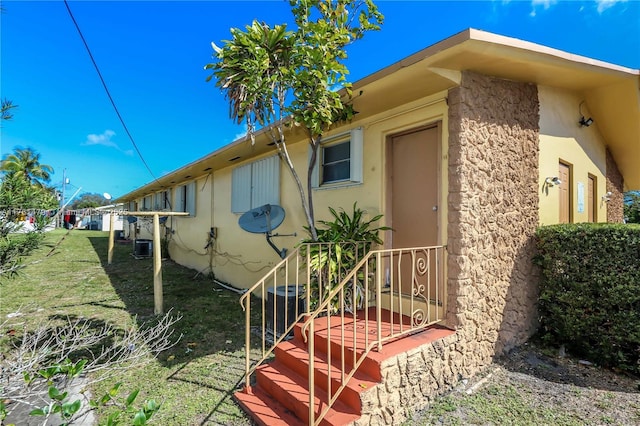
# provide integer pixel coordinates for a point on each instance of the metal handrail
(297, 264)
(245, 302)
(407, 276)
(421, 265)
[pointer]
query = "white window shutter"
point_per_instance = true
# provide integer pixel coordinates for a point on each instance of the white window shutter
(241, 189)
(180, 198)
(191, 198)
(166, 200)
(357, 153)
(265, 182)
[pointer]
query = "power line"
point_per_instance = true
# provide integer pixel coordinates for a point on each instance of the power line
(104, 84)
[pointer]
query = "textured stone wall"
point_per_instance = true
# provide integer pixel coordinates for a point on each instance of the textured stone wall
(411, 380)
(615, 185)
(493, 215)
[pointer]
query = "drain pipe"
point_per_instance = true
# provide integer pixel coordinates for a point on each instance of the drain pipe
(230, 288)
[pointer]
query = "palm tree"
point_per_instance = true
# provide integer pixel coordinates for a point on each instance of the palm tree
(25, 162)
(5, 109)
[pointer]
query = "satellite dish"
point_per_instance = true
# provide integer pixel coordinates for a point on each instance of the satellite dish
(263, 220)
(106, 195)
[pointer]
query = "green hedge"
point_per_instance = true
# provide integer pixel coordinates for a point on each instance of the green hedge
(590, 291)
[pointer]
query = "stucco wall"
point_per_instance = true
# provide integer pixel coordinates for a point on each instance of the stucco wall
(615, 185)
(241, 258)
(583, 148)
(493, 214)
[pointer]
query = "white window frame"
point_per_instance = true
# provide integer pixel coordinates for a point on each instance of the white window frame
(162, 200)
(255, 184)
(185, 200)
(146, 203)
(356, 139)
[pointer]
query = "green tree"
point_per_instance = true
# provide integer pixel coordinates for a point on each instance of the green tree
(17, 193)
(25, 162)
(88, 200)
(632, 207)
(276, 78)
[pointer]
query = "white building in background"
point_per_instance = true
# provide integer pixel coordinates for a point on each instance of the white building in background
(100, 220)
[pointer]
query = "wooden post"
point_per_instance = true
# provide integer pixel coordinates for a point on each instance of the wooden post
(157, 267)
(112, 233)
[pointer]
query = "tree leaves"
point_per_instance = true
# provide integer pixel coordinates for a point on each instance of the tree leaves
(274, 77)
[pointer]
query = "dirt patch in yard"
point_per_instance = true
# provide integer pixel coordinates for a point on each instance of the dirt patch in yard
(531, 386)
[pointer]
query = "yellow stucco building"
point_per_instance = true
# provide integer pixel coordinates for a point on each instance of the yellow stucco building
(599, 161)
(469, 144)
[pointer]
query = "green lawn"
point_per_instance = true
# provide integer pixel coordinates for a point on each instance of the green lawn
(195, 379)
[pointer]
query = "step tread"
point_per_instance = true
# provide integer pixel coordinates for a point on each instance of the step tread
(296, 388)
(371, 366)
(295, 349)
(265, 410)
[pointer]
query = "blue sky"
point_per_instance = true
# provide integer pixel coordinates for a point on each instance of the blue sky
(151, 55)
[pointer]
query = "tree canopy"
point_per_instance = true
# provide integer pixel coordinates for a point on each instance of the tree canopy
(5, 109)
(25, 163)
(24, 180)
(274, 77)
(632, 207)
(88, 200)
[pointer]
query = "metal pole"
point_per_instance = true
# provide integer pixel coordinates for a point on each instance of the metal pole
(64, 186)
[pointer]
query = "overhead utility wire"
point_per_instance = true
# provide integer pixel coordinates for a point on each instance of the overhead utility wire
(104, 84)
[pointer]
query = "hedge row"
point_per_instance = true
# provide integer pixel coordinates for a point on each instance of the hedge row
(590, 291)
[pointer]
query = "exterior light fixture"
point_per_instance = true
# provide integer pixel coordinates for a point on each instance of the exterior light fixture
(607, 197)
(553, 181)
(584, 122)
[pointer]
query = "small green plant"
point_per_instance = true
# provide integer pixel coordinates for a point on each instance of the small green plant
(341, 244)
(62, 404)
(125, 408)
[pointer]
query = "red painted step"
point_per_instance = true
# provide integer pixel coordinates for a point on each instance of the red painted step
(264, 410)
(292, 391)
(294, 355)
(281, 395)
(371, 365)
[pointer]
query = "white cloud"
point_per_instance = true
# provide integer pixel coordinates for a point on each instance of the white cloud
(104, 139)
(242, 134)
(606, 4)
(602, 5)
(545, 4)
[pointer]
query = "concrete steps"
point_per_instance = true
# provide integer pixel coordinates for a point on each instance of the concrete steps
(281, 392)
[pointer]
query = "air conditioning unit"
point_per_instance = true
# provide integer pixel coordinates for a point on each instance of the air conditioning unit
(282, 301)
(143, 248)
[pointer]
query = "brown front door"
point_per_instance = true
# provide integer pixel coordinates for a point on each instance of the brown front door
(591, 203)
(414, 187)
(564, 192)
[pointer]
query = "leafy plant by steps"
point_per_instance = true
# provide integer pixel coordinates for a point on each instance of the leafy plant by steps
(341, 244)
